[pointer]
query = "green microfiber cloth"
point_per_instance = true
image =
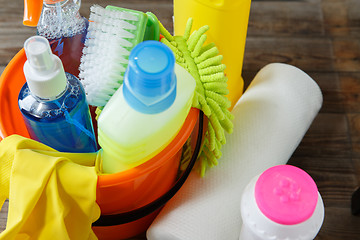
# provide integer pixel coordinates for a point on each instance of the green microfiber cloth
(204, 64)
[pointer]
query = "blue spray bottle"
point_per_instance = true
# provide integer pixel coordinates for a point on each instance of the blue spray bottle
(53, 103)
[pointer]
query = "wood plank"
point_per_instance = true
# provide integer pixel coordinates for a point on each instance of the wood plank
(350, 89)
(329, 83)
(326, 137)
(12, 44)
(347, 54)
(335, 227)
(341, 17)
(12, 32)
(279, 18)
(333, 102)
(354, 122)
(308, 54)
(356, 163)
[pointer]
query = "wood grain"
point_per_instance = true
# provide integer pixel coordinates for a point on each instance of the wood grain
(269, 18)
(309, 54)
(321, 37)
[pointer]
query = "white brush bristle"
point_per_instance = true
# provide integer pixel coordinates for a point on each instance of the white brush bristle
(105, 56)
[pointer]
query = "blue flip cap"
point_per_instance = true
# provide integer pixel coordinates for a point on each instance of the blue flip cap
(150, 81)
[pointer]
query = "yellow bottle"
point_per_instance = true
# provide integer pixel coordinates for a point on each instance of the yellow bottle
(228, 21)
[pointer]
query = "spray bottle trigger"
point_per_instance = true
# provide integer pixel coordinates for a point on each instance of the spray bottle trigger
(32, 12)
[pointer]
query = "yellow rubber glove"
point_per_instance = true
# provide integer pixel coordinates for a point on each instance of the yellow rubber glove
(52, 194)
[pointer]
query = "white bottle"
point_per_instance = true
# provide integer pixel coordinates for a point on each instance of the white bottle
(147, 111)
(282, 203)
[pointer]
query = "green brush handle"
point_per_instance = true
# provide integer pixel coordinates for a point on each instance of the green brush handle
(152, 31)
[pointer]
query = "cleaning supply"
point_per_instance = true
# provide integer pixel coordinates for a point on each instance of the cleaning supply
(53, 103)
(113, 32)
(115, 192)
(271, 118)
(283, 202)
(228, 22)
(204, 64)
(147, 111)
(52, 195)
(60, 22)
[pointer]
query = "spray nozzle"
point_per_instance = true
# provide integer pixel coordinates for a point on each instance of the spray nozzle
(43, 70)
(39, 54)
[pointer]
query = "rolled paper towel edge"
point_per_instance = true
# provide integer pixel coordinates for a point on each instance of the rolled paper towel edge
(284, 67)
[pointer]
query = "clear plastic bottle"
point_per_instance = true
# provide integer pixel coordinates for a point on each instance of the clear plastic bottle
(147, 111)
(282, 203)
(60, 22)
(53, 103)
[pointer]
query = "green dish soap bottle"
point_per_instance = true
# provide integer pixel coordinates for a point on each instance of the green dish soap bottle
(147, 111)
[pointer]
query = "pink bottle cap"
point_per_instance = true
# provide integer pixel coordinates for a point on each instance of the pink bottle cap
(286, 194)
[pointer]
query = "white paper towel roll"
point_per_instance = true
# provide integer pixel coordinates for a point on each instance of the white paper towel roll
(271, 119)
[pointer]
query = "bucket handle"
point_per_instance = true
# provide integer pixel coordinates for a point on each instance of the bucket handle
(126, 217)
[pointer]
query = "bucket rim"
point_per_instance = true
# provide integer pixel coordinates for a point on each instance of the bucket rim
(109, 180)
(136, 214)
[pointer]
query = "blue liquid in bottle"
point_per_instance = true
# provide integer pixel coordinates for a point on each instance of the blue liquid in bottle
(64, 123)
(53, 103)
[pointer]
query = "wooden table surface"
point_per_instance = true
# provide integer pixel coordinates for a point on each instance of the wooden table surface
(321, 37)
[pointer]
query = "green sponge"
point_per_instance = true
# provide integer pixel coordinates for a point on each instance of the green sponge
(204, 64)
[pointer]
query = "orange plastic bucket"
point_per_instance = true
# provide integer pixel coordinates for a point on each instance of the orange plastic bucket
(136, 193)
(131, 198)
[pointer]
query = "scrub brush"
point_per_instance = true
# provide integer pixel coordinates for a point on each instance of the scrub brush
(112, 33)
(204, 64)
